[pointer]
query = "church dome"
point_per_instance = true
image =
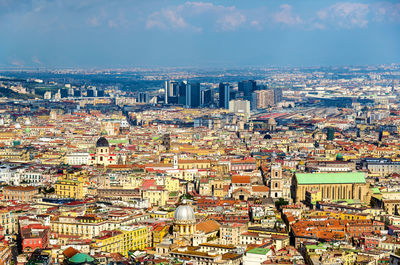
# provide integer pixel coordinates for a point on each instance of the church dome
(102, 142)
(267, 136)
(184, 213)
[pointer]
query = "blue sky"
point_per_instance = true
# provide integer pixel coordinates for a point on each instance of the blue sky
(129, 33)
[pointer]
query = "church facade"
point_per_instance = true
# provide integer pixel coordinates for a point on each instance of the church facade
(333, 186)
(102, 156)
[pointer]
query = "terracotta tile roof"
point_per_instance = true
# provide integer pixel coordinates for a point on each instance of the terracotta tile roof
(208, 226)
(260, 188)
(241, 179)
(70, 252)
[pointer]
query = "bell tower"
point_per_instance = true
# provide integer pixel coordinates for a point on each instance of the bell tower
(276, 181)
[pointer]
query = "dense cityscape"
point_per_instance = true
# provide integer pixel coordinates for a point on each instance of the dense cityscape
(199, 132)
(175, 166)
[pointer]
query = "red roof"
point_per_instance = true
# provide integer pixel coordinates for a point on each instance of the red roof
(241, 179)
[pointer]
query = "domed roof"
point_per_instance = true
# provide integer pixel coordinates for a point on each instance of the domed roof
(17, 126)
(81, 258)
(102, 142)
(184, 213)
(27, 130)
(267, 136)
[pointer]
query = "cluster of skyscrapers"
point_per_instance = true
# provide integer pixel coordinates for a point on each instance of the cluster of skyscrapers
(77, 92)
(183, 93)
(191, 95)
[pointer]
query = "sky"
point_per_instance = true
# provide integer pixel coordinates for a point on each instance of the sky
(223, 33)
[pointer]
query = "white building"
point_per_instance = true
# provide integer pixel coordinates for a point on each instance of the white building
(77, 158)
(239, 106)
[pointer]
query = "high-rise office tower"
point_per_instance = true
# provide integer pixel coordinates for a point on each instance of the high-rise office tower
(262, 99)
(173, 89)
(246, 88)
(206, 97)
(100, 93)
(171, 92)
(182, 93)
(64, 92)
(143, 97)
(70, 92)
(224, 95)
(166, 88)
(193, 95)
(277, 95)
(77, 93)
(91, 92)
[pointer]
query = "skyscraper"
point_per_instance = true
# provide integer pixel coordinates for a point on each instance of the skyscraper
(64, 92)
(206, 97)
(262, 99)
(77, 93)
(246, 88)
(277, 95)
(224, 95)
(193, 95)
(143, 97)
(166, 88)
(171, 92)
(182, 93)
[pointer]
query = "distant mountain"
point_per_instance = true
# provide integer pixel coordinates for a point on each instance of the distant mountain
(8, 93)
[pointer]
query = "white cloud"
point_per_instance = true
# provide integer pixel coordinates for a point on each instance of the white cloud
(385, 11)
(93, 21)
(286, 16)
(166, 18)
(231, 21)
(346, 14)
(36, 60)
(17, 62)
(194, 16)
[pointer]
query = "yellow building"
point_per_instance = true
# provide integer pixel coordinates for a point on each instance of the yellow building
(15, 154)
(128, 238)
(190, 164)
(172, 184)
(8, 221)
(340, 215)
(156, 196)
(313, 196)
(159, 232)
(162, 214)
(217, 187)
(83, 226)
(72, 185)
